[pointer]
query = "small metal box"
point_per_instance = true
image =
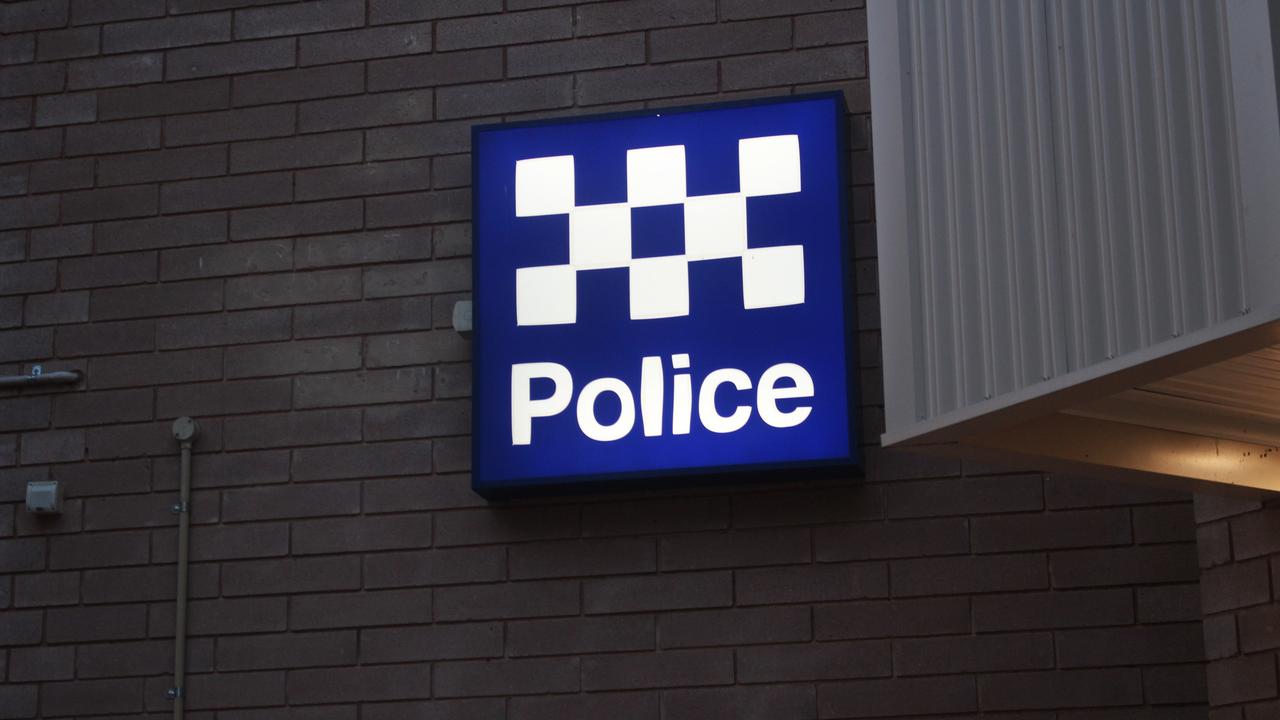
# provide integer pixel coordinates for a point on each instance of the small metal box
(44, 497)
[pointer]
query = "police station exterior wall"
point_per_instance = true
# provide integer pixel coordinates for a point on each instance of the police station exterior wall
(1240, 576)
(257, 214)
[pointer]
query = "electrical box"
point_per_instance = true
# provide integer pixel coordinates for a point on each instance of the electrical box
(44, 497)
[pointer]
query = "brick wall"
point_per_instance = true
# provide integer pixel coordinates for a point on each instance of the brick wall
(1239, 543)
(255, 213)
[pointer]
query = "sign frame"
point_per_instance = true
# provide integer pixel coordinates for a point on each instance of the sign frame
(744, 473)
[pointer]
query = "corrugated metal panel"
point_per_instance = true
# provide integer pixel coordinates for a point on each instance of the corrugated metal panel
(1072, 188)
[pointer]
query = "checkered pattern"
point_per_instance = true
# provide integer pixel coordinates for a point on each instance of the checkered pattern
(715, 227)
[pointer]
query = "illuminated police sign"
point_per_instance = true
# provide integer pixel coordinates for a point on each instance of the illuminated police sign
(661, 294)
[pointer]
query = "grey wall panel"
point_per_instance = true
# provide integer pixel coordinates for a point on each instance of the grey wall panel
(1253, 50)
(1071, 188)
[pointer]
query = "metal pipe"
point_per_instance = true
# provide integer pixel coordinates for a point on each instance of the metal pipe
(61, 377)
(184, 430)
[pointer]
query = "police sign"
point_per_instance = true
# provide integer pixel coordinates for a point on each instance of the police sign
(661, 293)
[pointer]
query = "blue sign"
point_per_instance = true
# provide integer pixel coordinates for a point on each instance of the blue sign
(661, 293)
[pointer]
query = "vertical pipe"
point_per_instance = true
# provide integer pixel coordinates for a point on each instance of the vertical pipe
(184, 430)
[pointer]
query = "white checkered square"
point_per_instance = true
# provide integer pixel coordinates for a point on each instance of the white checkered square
(547, 295)
(773, 277)
(655, 176)
(544, 186)
(659, 287)
(769, 165)
(600, 236)
(715, 227)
